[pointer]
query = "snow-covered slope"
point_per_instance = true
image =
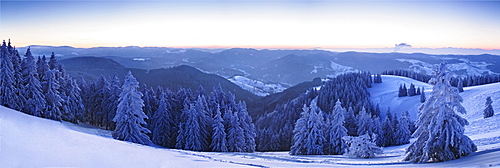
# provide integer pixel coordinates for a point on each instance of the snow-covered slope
(386, 95)
(27, 141)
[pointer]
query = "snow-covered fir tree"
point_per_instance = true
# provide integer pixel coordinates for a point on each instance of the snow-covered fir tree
(361, 147)
(350, 122)
(422, 96)
(460, 85)
(54, 101)
(488, 111)
(189, 137)
(411, 90)
(440, 130)
(235, 135)
(111, 102)
(129, 115)
(218, 143)
(365, 123)
(300, 133)
(162, 120)
(42, 67)
(315, 140)
(247, 126)
(387, 130)
(204, 120)
(8, 91)
(336, 130)
(35, 100)
(402, 133)
(75, 108)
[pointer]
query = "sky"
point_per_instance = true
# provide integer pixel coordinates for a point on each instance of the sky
(252, 24)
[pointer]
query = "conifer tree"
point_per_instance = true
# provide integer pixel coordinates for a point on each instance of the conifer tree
(129, 115)
(8, 91)
(190, 132)
(404, 91)
(388, 132)
(204, 120)
(235, 136)
(111, 102)
(75, 108)
(336, 131)
(316, 139)
(219, 134)
(42, 67)
(51, 89)
(411, 90)
(248, 127)
(365, 125)
(35, 100)
(162, 121)
(300, 133)
(460, 85)
(350, 122)
(440, 130)
(488, 111)
(402, 134)
(422, 96)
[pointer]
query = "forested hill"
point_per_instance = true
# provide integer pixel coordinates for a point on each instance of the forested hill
(174, 78)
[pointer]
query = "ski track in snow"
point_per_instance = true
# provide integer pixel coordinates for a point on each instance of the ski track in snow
(27, 141)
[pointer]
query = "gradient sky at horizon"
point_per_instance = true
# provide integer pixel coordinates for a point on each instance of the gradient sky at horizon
(257, 24)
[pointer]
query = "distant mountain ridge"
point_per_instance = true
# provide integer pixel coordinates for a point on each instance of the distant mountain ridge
(182, 76)
(286, 67)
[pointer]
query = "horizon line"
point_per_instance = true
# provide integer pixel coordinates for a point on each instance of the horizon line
(270, 47)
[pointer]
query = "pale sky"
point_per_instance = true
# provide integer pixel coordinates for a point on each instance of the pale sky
(260, 24)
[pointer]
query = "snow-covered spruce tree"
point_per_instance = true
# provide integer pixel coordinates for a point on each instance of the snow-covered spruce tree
(189, 137)
(365, 124)
(51, 89)
(42, 67)
(422, 96)
(460, 85)
(219, 135)
(361, 147)
(235, 136)
(35, 100)
(8, 90)
(248, 127)
(336, 130)
(316, 137)
(111, 102)
(488, 111)
(75, 107)
(162, 121)
(387, 130)
(350, 122)
(204, 120)
(402, 133)
(300, 133)
(440, 130)
(129, 116)
(412, 91)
